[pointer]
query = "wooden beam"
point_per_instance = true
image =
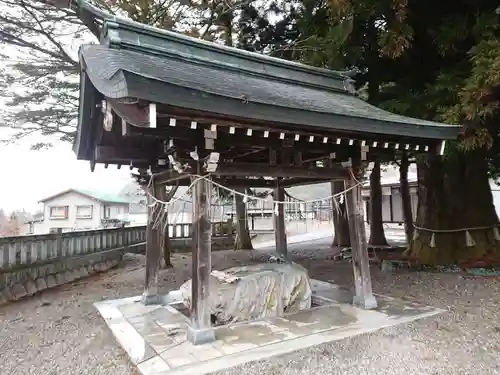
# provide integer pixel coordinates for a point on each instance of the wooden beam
(273, 159)
(279, 222)
(118, 154)
(261, 183)
(362, 280)
(167, 111)
(265, 170)
(183, 133)
(170, 177)
(245, 182)
(224, 138)
(237, 155)
(153, 251)
(199, 329)
(297, 158)
(289, 182)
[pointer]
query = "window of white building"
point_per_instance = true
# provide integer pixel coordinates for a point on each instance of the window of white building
(58, 212)
(84, 212)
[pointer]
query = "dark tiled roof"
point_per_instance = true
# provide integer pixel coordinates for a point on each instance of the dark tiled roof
(119, 74)
(135, 60)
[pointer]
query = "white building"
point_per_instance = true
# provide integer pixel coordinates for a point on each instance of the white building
(79, 209)
(392, 204)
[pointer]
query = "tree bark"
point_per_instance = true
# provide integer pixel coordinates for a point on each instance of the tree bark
(405, 197)
(454, 193)
(377, 235)
(243, 239)
(341, 236)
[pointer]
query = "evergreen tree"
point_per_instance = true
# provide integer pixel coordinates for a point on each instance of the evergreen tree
(432, 61)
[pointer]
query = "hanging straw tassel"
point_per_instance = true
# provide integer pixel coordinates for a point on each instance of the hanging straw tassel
(336, 206)
(433, 240)
(415, 234)
(469, 241)
(496, 233)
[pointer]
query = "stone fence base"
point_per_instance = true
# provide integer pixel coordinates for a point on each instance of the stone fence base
(27, 280)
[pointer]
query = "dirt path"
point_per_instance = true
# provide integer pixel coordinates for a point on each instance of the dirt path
(59, 331)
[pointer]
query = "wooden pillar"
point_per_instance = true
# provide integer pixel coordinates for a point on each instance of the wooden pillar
(279, 222)
(153, 249)
(164, 239)
(362, 280)
(199, 329)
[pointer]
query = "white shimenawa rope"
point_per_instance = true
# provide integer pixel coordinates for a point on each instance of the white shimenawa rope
(455, 230)
(173, 200)
(469, 241)
(285, 202)
(247, 196)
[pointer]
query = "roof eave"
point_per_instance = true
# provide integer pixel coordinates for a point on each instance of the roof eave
(125, 82)
(113, 202)
(88, 111)
(181, 97)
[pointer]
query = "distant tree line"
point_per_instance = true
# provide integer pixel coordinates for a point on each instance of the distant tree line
(11, 224)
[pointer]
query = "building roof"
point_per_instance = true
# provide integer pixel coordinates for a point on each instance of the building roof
(96, 195)
(186, 83)
(185, 70)
(157, 83)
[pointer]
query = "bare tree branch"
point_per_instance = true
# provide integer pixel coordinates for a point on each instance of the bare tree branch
(39, 74)
(47, 34)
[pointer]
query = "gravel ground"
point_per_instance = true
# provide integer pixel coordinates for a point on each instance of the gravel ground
(59, 331)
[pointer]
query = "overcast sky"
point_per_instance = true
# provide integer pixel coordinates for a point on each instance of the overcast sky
(28, 176)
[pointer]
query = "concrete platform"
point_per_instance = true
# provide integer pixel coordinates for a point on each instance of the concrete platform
(154, 336)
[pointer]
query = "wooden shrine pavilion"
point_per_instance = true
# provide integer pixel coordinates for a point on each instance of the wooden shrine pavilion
(173, 107)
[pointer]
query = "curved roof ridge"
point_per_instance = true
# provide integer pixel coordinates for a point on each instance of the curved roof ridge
(119, 32)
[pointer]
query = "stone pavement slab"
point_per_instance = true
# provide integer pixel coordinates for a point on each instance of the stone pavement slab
(154, 337)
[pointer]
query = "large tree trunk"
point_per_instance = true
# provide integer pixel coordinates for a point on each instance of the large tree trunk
(454, 193)
(243, 239)
(377, 235)
(341, 236)
(405, 197)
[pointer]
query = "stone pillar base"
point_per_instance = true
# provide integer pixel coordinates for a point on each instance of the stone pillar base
(200, 336)
(367, 303)
(150, 299)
